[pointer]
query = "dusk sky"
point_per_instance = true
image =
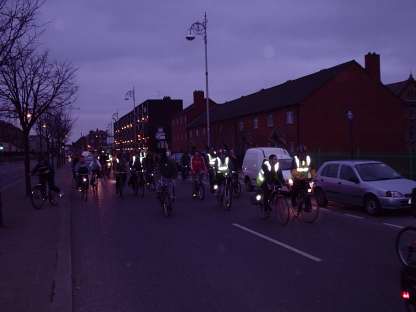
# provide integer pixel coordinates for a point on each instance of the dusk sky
(251, 45)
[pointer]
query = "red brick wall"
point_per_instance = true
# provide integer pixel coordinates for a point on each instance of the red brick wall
(379, 123)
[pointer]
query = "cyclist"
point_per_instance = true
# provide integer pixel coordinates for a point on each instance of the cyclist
(149, 165)
(222, 168)
(269, 175)
(212, 158)
(135, 166)
(95, 165)
(81, 168)
(120, 169)
(198, 168)
(302, 172)
(168, 172)
(46, 174)
(185, 160)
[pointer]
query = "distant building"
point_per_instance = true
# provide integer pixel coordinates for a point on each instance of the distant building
(94, 141)
(180, 122)
(11, 137)
(312, 110)
(406, 90)
(151, 117)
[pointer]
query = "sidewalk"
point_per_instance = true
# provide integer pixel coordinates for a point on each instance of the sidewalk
(35, 262)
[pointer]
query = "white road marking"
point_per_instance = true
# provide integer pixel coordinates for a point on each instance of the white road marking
(302, 253)
(393, 225)
(353, 216)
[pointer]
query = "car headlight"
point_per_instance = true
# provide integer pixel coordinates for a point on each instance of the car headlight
(393, 194)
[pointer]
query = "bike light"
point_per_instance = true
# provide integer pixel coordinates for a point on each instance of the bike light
(108, 165)
(258, 197)
(405, 295)
(84, 179)
(215, 187)
(309, 190)
(290, 182)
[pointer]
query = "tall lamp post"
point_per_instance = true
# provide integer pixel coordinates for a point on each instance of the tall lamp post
(200, 28)
(131, 94)
(350, 117)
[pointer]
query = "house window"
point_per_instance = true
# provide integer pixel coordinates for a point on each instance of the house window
(255, 123)
(290, 117)
(270, 120)
(241, 125)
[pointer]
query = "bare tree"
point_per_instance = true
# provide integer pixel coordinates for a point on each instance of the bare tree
(17, 21)
(30, 85)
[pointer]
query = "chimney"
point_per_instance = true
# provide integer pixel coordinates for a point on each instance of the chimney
(372, 65)
(199, 101)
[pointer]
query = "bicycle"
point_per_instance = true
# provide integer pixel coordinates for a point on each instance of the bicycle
(278, 203)
(120, 181)
(224, 193)
(198, 187)
(236, 185)
(40, 194)
(150, 181)
(94, 182)
(306, 206)
(165, 198)
(134, 181)
(406, 246)
(84, 184)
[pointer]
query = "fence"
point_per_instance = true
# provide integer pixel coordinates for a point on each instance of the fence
(405, 164)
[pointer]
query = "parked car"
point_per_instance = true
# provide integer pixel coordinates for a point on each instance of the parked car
(371, 184)
(253, 160)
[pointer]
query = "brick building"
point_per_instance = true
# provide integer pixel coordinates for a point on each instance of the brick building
(181, 121)
(151, 115)
(312, 110)
(93, 141)
(406, 90)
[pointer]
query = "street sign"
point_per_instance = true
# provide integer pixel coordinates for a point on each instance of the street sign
(160, 134)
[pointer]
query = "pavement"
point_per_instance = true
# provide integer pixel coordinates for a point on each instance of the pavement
(35, 267)
(122, 255)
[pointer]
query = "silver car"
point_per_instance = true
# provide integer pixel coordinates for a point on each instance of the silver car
(367, 183)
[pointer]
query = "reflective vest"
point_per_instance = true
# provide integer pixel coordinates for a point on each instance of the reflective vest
(211, 160)
(303, 167)
(261, 177)
(222, 167)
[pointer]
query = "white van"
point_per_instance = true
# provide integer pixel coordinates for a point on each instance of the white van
(253, 160)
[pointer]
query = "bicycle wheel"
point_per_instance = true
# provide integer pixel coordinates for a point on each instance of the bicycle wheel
(282, 208)
(52, 198)
(201, 191)
(38, 197)
(227, 198)
(237, 189)
(309, 209)
(406, 246)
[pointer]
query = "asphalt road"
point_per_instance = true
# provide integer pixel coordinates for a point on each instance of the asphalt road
(128, 257)
(11, 173)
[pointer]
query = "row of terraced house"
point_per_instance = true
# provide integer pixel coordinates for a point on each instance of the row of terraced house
(341, 111)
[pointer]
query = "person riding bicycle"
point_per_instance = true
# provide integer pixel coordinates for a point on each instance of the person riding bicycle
(46, 174)
(81, 169)
(135, 165)
(211, 160)
(221, 168)
(95, 166)
(185, 162)
(302, 172)
(269, 175)
(198, 169)
(149, 165)
(168, 172)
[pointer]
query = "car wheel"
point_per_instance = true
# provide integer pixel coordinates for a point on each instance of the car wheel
(321, 198)
(249, 187)
(372, 205)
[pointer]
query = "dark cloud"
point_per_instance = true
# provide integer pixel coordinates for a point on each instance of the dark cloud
(252, 45)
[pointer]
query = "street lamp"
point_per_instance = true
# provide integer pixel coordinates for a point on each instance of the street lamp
(200, 28)
(350, 117)
(131, 94)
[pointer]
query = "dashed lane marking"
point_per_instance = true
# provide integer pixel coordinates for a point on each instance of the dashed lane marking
(353, 216)
(295, 250)
(393, 225)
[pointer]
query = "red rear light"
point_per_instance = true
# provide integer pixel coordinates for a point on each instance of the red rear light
(405, 295)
